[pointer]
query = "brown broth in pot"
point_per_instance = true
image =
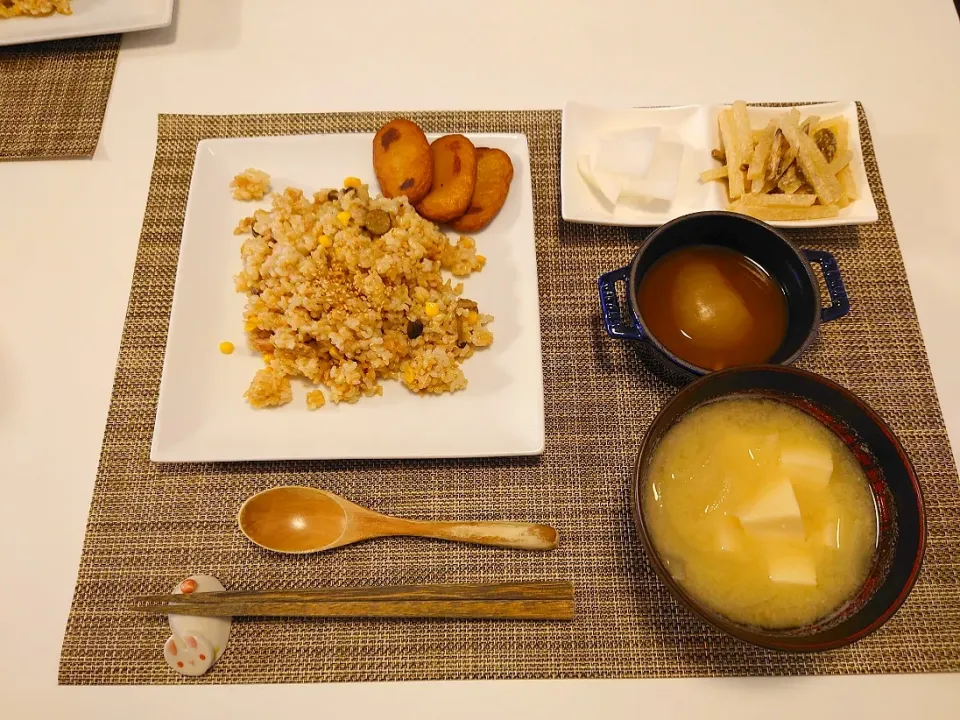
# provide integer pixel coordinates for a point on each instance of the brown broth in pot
(713, 307)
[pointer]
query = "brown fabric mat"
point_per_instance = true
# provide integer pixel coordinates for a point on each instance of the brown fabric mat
(151, 525)
(53, 96)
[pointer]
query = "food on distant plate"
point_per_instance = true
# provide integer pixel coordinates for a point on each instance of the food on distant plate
(494, 175)
(33, 8)
(345, 290)
(402, 160)
(251, 184)
(454, 179)
(633, 165)
(788, 170)
(761, 513)
(713, 307)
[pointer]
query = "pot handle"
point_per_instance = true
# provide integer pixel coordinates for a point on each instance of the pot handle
(840, 302)
(613, 318)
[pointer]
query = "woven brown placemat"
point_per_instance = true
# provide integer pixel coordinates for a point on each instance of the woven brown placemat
(53, 96)
(151, 525)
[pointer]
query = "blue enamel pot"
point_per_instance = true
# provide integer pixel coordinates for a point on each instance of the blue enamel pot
(786, 264)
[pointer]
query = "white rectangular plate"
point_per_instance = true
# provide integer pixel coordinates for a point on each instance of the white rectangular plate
(90, 17)
(696, 127)
(202, 414)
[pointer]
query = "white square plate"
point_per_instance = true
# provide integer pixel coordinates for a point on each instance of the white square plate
(696, 127)
(90, 17)
(202, 414)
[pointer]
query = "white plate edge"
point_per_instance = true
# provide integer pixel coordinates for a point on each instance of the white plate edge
(122, 28)
(541, 401)
(154, 449)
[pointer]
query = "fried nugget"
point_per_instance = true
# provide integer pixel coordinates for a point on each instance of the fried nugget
(402, 160)
(454, 178)
(494, 174)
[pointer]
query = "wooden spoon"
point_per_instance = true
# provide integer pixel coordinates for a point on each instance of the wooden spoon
(293, 519)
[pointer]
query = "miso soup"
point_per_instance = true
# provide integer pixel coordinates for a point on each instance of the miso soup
(761, 512)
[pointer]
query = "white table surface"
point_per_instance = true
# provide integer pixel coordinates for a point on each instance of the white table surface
(69, 233)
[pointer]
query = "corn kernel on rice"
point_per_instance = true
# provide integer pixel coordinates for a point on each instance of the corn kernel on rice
(345, 307)
(251, 184)
(33, 8)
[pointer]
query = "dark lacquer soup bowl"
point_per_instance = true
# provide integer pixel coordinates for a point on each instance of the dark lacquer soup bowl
(901, 532)
(788, 265)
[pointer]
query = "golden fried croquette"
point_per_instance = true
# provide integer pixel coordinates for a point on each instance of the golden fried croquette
(494, 174)
(454, 179)
(402, 160)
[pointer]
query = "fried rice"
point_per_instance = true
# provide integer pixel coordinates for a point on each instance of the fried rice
(251, 184)
(346, 290)
(34, 8)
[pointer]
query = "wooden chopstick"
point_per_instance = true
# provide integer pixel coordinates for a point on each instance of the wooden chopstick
(519, 601)
(492, 609)
(503, 591)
